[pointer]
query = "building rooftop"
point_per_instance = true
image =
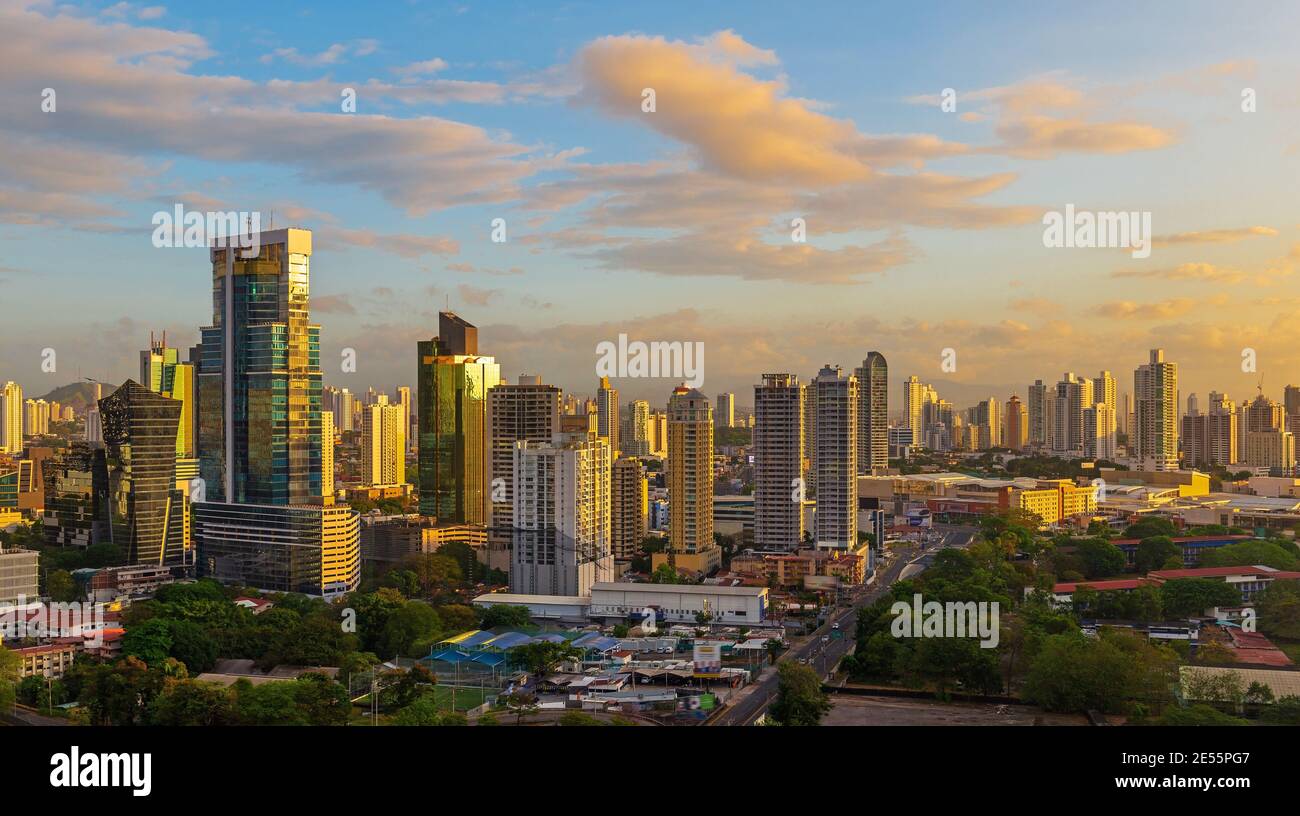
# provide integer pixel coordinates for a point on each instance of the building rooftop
(684, 589)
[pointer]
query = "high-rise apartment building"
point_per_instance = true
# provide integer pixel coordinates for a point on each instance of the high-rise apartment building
(383, 445)
(1036, 410)
(327, 456)
(607, 415)
(636, 441)
(1155, 429)
(561, 516)
(629, 507)
(454, 380)
(690, 482)
(404, 402)
(836, 519)
(1273, 449)
(914, 400)
(1017, 424)
(873, 412)
(778, 446)
(1099, 440)
(527, 411)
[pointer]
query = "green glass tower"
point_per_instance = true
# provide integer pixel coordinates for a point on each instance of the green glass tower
(453, 382)
(259, 377)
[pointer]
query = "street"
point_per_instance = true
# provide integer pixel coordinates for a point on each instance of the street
(822, 657)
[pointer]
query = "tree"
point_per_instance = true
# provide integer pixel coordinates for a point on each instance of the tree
(577, 718)
(503, 615)
(1154, 552)
(1150, 526)
(1100, 558)
(415, 622)
(799, 696)
(150, 641)
(1247, 553)
(522, 703)
(774, 648)
(193, 702)
(1184, 597)
(665, 574)
(9, 665)
(1198, 715)
(60, 586)
(1278, 608)
(433, 570)
(542, 657)
(192, 646)
(1073, 672)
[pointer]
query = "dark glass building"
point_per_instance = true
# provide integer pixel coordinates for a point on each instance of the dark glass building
(76, 497)
(146, 510)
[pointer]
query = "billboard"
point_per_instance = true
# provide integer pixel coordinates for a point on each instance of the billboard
(708, 659)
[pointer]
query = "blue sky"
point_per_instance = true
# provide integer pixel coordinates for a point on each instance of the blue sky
(924, 225)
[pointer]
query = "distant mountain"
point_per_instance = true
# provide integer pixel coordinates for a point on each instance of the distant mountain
(79, 395)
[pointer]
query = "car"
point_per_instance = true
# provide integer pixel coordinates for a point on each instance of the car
(835, 625)
(826, 639)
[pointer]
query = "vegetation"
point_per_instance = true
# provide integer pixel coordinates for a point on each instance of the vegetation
(799, 696)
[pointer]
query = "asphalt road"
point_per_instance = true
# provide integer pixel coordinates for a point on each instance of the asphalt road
(823, 656)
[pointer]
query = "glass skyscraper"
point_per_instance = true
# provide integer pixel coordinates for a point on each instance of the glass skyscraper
(146, 510)
(453, 382)
(259, 377)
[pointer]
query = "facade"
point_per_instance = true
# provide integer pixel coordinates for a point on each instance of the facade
(629, 507)
(453, 385)
(312, 550)
(77, 497)
(259, 376)
(679, 603)
(873, 412)
(1036, 410)
(778, 447)
(19, 575)
(146, 510)
(1154, 438)
(1099, 440)
(561, 526)
(914, 393)
(836, 519)
(1274, 450)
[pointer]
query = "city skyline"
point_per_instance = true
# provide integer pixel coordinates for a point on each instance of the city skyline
(687, 207)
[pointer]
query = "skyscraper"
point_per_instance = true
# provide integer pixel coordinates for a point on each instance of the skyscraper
(913, 407)
(383, 445)
(1017, 424)
(147, 511)
(528, 411)
(629, 507)
(607, 414)
(264, 523)
(327, 456)
(11, 418)
(836, 519)
(1099, 431)
(454, 380)
(725, 415)
(873, 412)
(259, 377)
(778, 462)
(404, 401)
(637, 440)
(1155, 394)
(561, 516)
(1037, 414)
(76, 497)
(690, 482)
(162, 372)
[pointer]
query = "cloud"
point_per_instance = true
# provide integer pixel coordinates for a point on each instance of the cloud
(429, 66)
(332, 55)
(1221, 236)
(476, 296)
(1127, 309)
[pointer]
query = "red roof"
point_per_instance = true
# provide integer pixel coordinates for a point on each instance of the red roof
(1186, 539)
(1102, 586)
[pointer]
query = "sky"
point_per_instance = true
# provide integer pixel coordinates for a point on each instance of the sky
(923, 220)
